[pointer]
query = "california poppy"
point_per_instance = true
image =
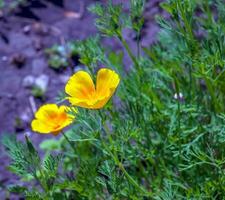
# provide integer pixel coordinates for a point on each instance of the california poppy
(83, 93)
(51, 119)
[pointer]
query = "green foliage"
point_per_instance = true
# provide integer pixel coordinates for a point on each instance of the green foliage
(164, 137)
(38, 92)
(90, 52)
(58, 56)
(12, 5)
(2, 3)
(110, 18)
(27, 164)
(137, 8)
(25, 158)
(50, 145)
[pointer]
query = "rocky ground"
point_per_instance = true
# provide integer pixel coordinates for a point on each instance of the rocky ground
(25, 33)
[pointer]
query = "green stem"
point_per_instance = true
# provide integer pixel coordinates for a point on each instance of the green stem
(44, 186)
(129, 178)
(190, 82)
(138, 44)
(178, 110)
(185, 20)
(209, 13)
(178, 113)
(69, 142)
(128, 51)
(121, 167)
(132, 181)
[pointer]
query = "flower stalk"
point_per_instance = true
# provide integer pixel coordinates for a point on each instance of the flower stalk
(68, 141)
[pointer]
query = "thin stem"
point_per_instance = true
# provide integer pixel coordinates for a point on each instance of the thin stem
(178, 113)
(190, 82)
(70, 143)
(120, 165)
(43, 186)
(129, 51)
(178, 110)
(185, 20)
(132, 181)
(138, 44)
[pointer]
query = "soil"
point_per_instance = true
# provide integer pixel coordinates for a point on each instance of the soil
(25, 33)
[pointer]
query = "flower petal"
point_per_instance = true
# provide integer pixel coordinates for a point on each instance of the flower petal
(101, 102)
(80, 87)
(63, 118)
(84, 103)
(39, 126)
(46, 111)
(51, 119)
(107, 82)
(82, 91)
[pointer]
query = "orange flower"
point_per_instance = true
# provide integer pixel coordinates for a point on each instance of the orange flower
(51, 119)
(82, 91)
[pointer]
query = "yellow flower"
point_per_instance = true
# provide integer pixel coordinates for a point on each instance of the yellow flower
(83, 92)
(51, 119)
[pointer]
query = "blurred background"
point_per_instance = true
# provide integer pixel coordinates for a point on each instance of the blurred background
(35, 62)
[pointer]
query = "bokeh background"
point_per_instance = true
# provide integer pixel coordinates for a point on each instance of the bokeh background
(26, 31)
